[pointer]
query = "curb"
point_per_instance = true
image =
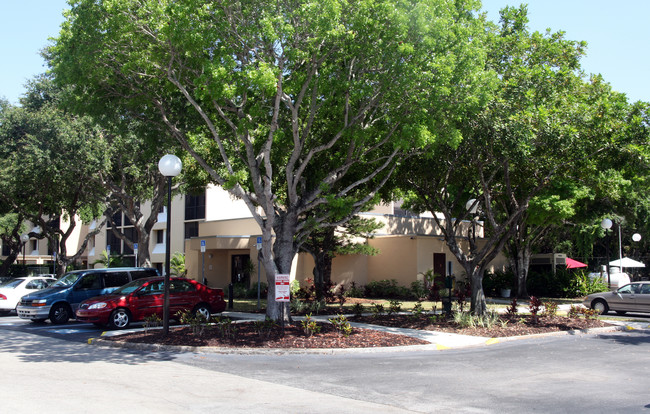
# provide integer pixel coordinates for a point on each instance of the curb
(337, 351)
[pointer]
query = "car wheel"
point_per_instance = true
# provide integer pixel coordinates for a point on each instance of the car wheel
(621, 312)
(119, 319)
(59, 314)
(600, 306)
(202, 310)
(4, 312)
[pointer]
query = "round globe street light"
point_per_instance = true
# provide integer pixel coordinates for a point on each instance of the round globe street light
(24, 238)
(169, 166)
(636, 237)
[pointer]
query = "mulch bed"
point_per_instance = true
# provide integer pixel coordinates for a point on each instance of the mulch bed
(247, 334)
(514, 327)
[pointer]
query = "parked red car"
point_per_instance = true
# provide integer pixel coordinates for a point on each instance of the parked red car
(144, 297)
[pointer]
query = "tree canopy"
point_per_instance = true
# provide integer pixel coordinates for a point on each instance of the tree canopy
(48, 161)
(543, 126)
(279, 101)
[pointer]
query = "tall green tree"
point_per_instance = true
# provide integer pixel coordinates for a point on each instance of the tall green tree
(279, 101)
(541, 125)
(47, 162)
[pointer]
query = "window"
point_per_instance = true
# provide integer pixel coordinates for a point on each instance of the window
(91, 281)
(116, 279)
(117, 219)
(191, 229)
(160, 236)
(130, 234)
(35, 246)
(154, 288)
(113, 241)
(37, 284)
(194, 207)
(139, 274)
(5, 250)
(178, 286)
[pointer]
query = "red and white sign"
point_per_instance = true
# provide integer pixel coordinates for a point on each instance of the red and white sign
(282, 288)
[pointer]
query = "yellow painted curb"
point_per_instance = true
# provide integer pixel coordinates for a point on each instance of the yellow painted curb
(90, 341)
(492, 341)
(629, 328)
(441, 347)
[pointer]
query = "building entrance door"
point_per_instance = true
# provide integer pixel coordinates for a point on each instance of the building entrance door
(440, 264)
(240, 270)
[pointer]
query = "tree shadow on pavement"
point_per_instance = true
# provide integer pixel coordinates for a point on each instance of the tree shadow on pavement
(632, 337)
(38, 348)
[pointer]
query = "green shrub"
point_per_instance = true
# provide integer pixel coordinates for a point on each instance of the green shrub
(242, 291)
(394, 306)
(386, 289)
(225, 328)
(309, 326)
(550, 309)
(358, 309)
(198, 323)
(152, 321)
(419, 290)
(582, 285)
(494, 282)
(378, 309)
(265, 327)
(354, 291)
(417, 310)
(469, 320)
(342, 325)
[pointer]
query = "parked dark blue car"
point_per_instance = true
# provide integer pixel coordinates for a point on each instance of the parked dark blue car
(59, 302)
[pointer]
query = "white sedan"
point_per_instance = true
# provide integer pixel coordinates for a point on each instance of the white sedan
(12, 290)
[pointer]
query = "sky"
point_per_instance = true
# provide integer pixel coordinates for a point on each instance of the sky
(617, 33)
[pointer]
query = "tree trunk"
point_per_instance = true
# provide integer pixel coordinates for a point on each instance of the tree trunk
(6, 264)
(284, 250)
(144, 255)
(522, 261)
(478, 305)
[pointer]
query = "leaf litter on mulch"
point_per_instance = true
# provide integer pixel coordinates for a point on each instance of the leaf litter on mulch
(247, 334)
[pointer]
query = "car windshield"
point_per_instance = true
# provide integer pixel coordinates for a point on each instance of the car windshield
(67, 280)
(129, 287)
(12, 284)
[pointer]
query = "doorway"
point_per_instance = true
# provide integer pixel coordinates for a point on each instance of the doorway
(440, 264)
(240, 270)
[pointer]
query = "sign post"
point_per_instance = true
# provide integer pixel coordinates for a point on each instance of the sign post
(203, 262)
(282, 292)
(135, 251)
(259, 289)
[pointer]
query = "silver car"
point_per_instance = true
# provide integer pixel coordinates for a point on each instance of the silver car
(633, 297)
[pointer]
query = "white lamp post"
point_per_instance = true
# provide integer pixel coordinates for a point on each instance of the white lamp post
(169, 166)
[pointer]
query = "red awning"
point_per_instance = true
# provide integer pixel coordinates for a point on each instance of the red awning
(572, 264)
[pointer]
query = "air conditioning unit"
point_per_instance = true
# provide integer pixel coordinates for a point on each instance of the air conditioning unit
(548, 259)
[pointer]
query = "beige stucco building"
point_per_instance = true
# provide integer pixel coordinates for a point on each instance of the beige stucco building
(408, 244)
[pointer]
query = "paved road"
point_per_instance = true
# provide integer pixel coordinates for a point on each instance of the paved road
(44, 369)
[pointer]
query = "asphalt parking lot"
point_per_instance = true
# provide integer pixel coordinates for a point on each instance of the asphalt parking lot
(571, 373)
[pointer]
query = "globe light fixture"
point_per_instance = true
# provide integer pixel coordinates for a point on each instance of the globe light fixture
(169, 166)
(606, 224)
(636, 237)
(24, 238)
